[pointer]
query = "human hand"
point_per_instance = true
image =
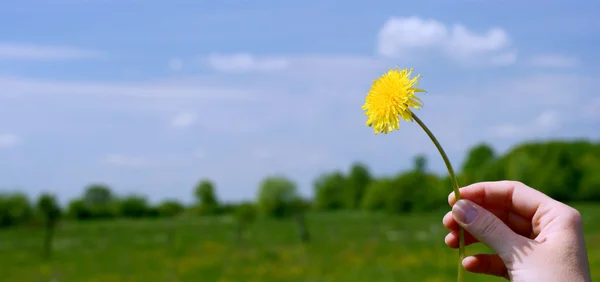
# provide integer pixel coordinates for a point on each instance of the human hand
(535, 237)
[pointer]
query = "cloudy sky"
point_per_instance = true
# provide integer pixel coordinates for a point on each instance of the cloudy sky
(151, 96)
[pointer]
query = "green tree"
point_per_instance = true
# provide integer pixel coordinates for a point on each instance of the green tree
(97, 195)
(276, 196)
(329, 191)
(376, 194)
(589, 185)
(556, 174)
(99, 200)
(558, 168)
(478, 159)
(134, 206)
(15, 209)
(400, 193)
(50, 212)
(357, 182)
(519, 166)
(299, 207)
(413, 190)
(78, 209)
(206, 197)
(170, 208)
(5, 218)
(423, 191)
(589, 189)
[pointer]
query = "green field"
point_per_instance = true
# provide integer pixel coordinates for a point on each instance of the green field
(343, 247)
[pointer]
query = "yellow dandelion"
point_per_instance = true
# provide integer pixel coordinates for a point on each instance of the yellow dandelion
(391, 97)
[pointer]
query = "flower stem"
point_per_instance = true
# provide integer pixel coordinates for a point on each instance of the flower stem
(461, 232)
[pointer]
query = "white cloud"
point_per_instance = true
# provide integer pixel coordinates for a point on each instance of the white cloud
(183, 120)
(545, 122)
(553, 61)
(176, 64)
(535, 106)
(413, 36)
(242, 62)
(9, 140)
(466, 42)
(15, 86)
(22, 51)
(401, 34)
(126, 161)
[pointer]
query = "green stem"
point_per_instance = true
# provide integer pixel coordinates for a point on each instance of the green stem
(461, 232)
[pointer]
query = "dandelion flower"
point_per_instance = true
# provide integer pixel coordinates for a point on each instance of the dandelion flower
(391, 97)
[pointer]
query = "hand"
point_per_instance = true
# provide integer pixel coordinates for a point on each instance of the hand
(535, 237)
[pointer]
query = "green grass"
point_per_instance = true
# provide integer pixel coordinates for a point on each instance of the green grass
(344, 247)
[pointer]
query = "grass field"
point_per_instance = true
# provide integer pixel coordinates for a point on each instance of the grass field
(344, 247)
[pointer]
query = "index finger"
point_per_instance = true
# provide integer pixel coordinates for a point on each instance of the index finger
(511, 195)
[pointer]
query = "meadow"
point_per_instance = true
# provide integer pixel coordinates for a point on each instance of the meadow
(344, 246)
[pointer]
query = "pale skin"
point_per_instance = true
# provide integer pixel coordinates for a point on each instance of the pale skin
(534, 237)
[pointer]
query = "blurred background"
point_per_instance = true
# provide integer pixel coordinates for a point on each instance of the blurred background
(224, 140)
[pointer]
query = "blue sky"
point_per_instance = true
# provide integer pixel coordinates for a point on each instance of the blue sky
(150, 96)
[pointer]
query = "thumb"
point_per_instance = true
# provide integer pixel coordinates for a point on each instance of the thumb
(486, 227)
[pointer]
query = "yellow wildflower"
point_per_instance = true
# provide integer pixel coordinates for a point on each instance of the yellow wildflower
(391, 97)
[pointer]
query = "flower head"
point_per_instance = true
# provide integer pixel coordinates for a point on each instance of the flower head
(391, 97)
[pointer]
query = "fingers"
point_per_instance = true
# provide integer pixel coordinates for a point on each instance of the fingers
(510, 195)
(486, 227)
(516, 222)
(486, 264)
(452, 239)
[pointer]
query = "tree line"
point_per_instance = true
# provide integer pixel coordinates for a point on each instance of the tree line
(565, 170)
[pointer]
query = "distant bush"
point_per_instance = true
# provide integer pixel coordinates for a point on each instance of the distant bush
(376, 194)
(80, 210)
(77, 209)
(206, 198)
(170, 208)
(50, 212)
(15, 209)
(277, 196)
(153, 212)
(48, 208)
(330, 190)
(245, 213)
(134, 207)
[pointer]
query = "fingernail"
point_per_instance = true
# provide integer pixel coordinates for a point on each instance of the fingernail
(464, 211)
(466, 260)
